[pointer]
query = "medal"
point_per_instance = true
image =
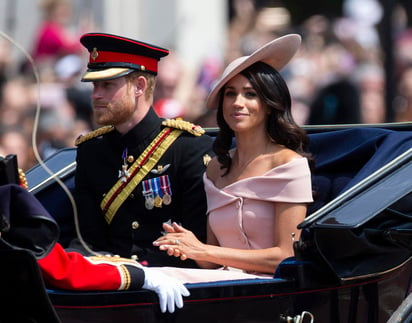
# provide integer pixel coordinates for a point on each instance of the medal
(166, 190)
(158, 201)
(167, 199)
(124, 172)
(157, 192)
(149, 203)
(148, 195)
(155, 184)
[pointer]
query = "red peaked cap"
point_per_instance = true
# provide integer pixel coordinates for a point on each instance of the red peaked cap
(113, 56)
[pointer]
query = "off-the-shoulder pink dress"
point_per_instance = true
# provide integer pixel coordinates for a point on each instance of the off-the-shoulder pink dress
(242, 214)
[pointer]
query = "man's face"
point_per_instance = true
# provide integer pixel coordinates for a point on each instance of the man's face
(113, 101)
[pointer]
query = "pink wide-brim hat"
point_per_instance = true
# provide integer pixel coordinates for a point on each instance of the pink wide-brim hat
(277, 53)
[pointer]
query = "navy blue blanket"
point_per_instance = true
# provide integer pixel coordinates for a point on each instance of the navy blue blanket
(345, 157)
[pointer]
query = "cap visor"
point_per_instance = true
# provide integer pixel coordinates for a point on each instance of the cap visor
(105, 74)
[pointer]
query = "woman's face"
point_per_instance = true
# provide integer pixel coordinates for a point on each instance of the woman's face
(242, 108)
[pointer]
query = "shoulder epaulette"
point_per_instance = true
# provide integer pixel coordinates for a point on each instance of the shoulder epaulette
(93, 134)
(184, 125)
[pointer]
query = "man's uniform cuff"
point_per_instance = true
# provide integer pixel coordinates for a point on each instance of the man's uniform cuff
(132, 277)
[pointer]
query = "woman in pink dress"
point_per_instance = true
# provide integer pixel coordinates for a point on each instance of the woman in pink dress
(257, 192)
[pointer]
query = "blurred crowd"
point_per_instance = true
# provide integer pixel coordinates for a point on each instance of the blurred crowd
(337, 77)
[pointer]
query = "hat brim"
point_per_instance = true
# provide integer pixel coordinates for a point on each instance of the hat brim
(277, 53)
(105, 74)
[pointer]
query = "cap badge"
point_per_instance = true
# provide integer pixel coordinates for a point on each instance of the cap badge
(94, 54)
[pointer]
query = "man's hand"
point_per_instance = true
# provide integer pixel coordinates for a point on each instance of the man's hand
(169, 290)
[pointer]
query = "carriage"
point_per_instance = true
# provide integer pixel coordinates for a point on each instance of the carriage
(352, 262)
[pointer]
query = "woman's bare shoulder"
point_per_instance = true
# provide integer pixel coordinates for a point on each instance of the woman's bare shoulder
(284, 156)
(213, 169)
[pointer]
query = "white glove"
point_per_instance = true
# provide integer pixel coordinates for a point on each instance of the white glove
(169, 290)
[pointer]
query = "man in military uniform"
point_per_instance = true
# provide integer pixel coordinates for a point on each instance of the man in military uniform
(137, 171)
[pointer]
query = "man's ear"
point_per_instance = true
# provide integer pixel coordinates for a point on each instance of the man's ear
(140, 85)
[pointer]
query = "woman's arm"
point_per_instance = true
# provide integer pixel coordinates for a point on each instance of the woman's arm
(180, 242)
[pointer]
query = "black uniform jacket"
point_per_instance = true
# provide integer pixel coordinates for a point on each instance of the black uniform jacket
(134, 227)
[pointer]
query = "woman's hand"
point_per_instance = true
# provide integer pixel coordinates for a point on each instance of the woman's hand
(179, 242)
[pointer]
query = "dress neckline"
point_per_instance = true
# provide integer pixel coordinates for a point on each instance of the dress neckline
(276, 168)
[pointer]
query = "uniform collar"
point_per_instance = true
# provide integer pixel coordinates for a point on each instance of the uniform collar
(144, 130)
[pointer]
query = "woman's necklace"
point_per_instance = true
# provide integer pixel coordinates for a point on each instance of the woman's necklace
(253, 157)
(243, 165)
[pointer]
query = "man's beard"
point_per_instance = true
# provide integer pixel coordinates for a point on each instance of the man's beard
(114, 113)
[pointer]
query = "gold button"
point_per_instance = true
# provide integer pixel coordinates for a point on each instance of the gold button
(135, 225)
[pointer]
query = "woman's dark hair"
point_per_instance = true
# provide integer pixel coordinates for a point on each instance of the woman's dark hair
(273, 91)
